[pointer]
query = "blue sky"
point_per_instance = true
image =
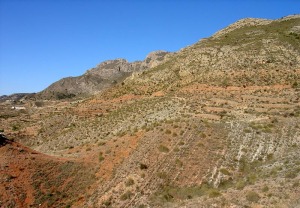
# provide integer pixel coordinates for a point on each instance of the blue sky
(44, 41)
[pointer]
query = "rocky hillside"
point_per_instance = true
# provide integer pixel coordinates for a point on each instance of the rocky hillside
(15, 98)
(31, 179)
(249, 52)
(103, 76)
(214, 125)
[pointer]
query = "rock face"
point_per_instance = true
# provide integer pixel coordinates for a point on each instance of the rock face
(103, 76)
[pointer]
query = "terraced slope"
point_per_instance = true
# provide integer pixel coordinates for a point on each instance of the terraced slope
(31, 179)
(216, 125)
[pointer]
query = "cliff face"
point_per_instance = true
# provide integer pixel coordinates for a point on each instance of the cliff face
(103, 76)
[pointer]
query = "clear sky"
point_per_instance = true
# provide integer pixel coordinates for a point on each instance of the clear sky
(44, 41)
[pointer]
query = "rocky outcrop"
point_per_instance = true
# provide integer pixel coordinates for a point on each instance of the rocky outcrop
(241, 23)
(3, 140)
(103, 76)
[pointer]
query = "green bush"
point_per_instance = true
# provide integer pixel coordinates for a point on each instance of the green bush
(240, 184)
(295, 85)
(162, 175)
(212, 193)
(126, 195)
(129, 182)
(247, 130)
(168, 131)
(296, 184)
(265, 189)
(179, 162)
(101, 143)
(107, 202)
(15, 127)
(202, 135)
(39, 103)
(176, 149)
(225, 171)
(292, 174)
(101, 158)
(163, 148)
(252, 196)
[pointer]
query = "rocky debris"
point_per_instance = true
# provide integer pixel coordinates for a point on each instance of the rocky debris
(4, 140)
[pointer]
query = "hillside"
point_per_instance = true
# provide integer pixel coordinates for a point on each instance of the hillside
(215, 124)
(29, 178)
(249, 52)
(103, 76)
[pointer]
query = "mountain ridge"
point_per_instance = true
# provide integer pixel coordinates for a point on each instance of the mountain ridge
(103, 76)
(100, 78)
(242, 51)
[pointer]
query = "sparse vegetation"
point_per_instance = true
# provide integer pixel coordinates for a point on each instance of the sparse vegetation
(100, 157)
(15, 127)
(200, 129)
(252, 196)
(127, 195)
(225, 171)
(163, 148)
(143, 166)
(129, 182)
(265, 189)
(213, 193)
(168, 131)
